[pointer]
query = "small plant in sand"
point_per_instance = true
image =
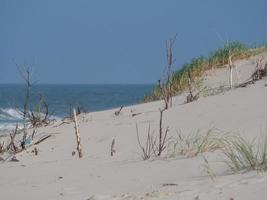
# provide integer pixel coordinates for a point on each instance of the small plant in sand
(154, 145)
(196, 143)
(147, 147)
(244, 155)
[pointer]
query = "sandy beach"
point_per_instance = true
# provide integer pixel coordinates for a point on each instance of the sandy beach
(57, 174)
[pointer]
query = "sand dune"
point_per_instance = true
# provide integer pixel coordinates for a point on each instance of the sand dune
(55, 174)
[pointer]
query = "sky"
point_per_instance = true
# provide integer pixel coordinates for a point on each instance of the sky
(118, 41)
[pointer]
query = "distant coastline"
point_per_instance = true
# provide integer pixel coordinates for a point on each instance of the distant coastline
(60, 97)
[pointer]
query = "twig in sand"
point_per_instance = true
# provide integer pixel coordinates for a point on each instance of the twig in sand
(117, 113)
(135, 114)
(12, 147)
(35, 151)
(112, 148)
(77, 133)
(162, 138)
(42, 139)
(231, 66)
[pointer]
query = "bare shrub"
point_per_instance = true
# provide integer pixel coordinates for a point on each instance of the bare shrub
(33, 115)
(161, 145)
(165, 84)
(154, 145)
(147, 148)
(41, 115)
(12, 147)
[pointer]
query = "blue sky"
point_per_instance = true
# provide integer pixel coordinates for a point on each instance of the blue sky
(118, 41)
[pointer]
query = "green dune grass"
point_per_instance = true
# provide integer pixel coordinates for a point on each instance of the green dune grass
(197, 66)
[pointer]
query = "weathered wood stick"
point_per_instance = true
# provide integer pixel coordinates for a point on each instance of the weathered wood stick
(231, 71)
(118, 111)
(42, 139)
(77, 133)
(112, 150)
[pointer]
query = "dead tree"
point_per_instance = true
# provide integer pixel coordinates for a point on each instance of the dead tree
(77, 133)
(26, 75)
(147, 148)
(166, 85)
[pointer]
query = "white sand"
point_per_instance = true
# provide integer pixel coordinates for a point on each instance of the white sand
(55, 174)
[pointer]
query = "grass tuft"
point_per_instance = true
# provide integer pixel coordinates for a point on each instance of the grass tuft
(244, 155)
(197, 143)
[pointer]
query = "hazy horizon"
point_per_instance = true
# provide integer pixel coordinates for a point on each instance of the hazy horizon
(118, 42)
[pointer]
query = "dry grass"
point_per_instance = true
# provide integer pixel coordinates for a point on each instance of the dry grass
(196, 143)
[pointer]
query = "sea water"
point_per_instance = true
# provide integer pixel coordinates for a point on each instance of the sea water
(61, 98)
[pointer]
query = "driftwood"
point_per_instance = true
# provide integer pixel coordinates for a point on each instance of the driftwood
(2, 149)
(117, 113)
(258, 74)
(42, 139)
(35, 151)
(77, 133)
(231, 66)
(191, 97)
(112, 149)
(135, 114)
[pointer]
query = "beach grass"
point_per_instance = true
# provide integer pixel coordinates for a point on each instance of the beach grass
(196, 143)
(199, 65)
(245, 155)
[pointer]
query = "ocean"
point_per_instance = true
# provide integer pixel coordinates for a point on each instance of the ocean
(91, 97)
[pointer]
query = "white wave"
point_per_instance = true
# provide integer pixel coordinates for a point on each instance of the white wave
(10, 114)
(14, 114)
(6, 128)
